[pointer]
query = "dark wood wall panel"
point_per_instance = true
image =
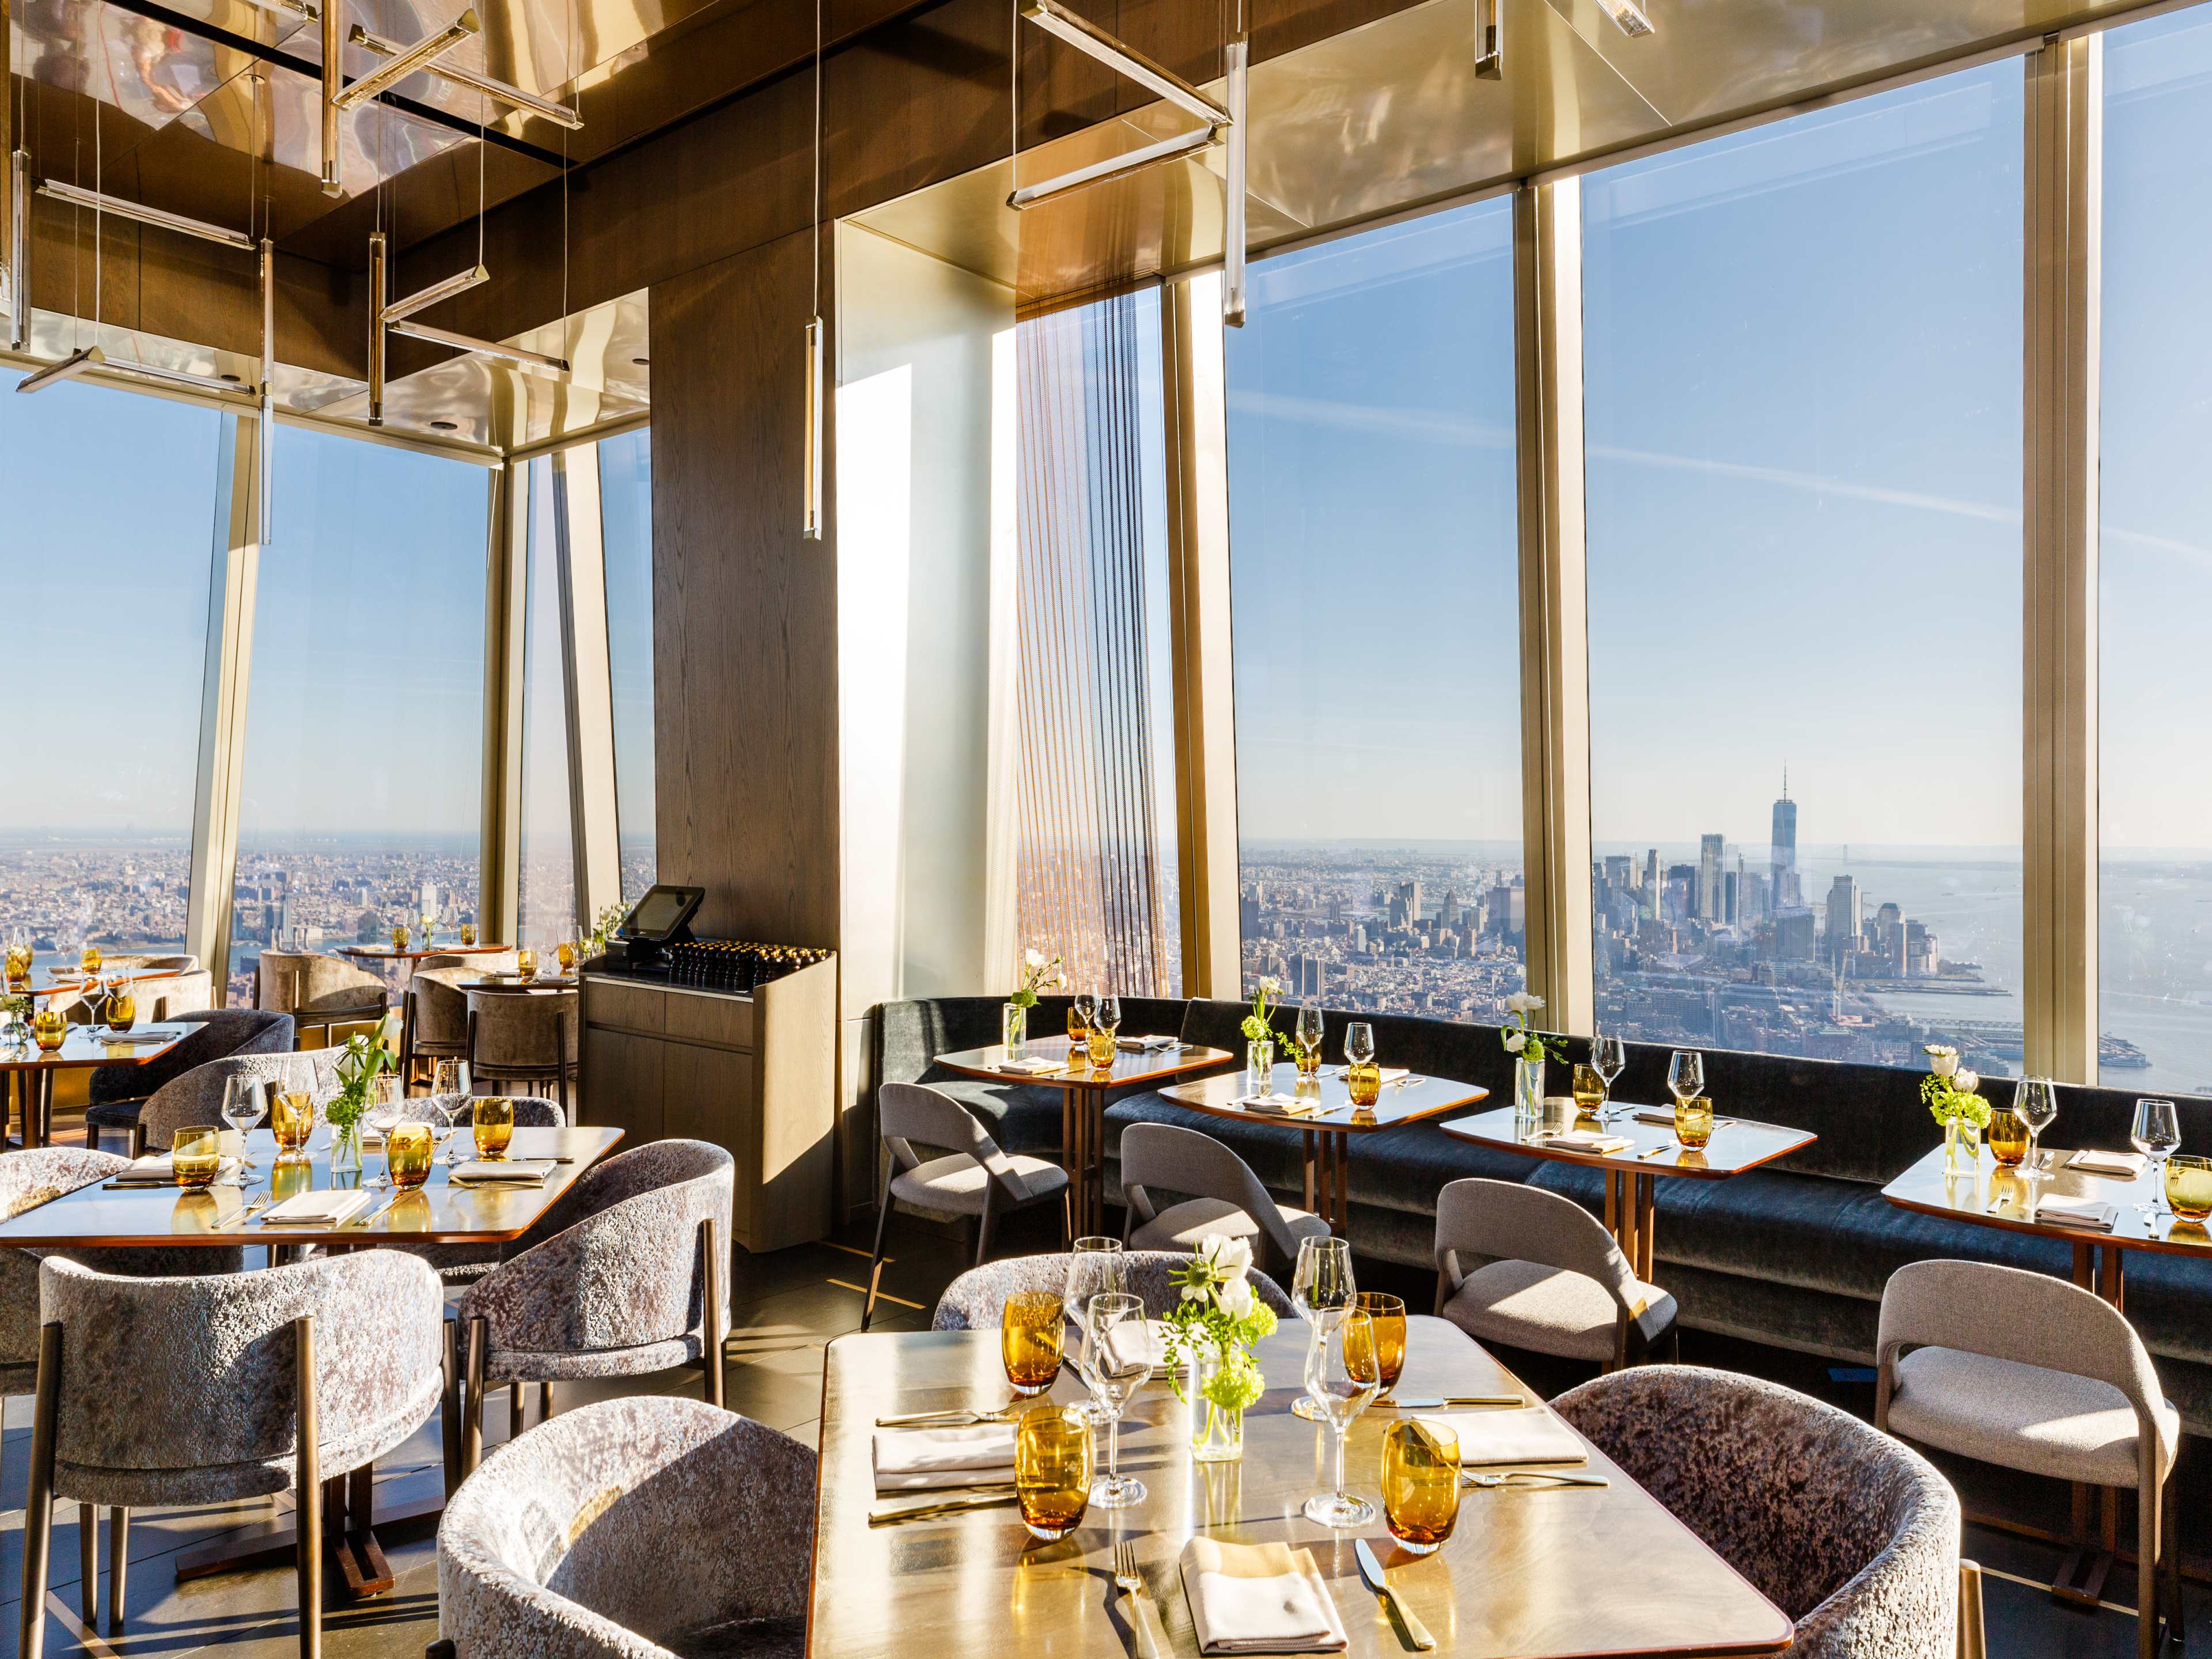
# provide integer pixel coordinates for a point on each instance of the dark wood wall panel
(745, 611)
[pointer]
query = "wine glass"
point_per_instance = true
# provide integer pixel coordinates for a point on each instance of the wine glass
(1342, 1374)
(2157, 1136)
(1109, 1017)
(1121, 1363)
(244, 1104)
(2035, 1103)
(1320, 1283)
(1083, 1004)
(385, 1112)
(1609, 1057)
(1310, 1035)
(1095, 1267)
(1359, 1042)
(1685, 1074)
(450, 1090)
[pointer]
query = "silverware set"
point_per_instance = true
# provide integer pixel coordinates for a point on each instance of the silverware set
(957, 1419)
(1143, 1617)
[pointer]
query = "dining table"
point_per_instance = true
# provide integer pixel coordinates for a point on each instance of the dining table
(1632, 1173)
(114, 1213)
(46, 982)
(1540, 1571)
(1083, 1088)
(29, 1071)
(1322, 1111)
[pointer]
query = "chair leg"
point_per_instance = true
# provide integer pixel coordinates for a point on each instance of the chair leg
(441, 1648)
(472, 1399)
(1067, 1219)
(2147, 1517)
(138, 1140)
(1973, 1643)
(983, 1229)
(87, 1562)
(449, 1410)
(544, 1402)
(2176, 1621)
(307, 1493)
(91, 1135)
(715, 1344)
(39, 1499)
(119, 1563)
(515, 1408)
(876, 1261)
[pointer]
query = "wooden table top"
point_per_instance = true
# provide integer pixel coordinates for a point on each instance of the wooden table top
(1738, 1144)
(1526, 1575)
(82, 1049)
(515, 986)
(66, 981)
(1130, 1066)
(1993, 1197)
(386, 953)
(436, 1213)
(1408, 1100)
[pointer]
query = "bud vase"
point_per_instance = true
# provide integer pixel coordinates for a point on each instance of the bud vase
(1962, 1146)
(1014, 1030)
(1527, 1094)
(1260, 1060)
(1217, 1434)
(345, 1149)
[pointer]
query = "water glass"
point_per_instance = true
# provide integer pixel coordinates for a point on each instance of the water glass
(50, 1028)
(1609, 1055)
(1386, 1319)
(1693, 1123)
(1363, 1078)
(1341, 1378)
(494, 1126)
(398, 936)
(244, 1104)
(1685, 1074)
(1310, 1035)
(407, 1150)
(2157, 1135)
(2187, 1186)
(468, 935)
(1420, 1484)
(1053, 1455)
(2035, 1103)
(1120, 1363)
(526, 963)
(1320, 1282)
(1031, 1328)
(565, 954)
(196, 1154)
(1589, 1093)
(292, 1120)
(87, 960)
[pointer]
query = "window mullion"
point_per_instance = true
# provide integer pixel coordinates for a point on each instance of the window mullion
(223, 689)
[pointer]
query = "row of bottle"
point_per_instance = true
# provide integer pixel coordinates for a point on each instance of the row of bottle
(737, 964)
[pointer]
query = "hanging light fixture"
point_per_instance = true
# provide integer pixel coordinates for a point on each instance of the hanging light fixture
(424, 299)
(19, 248)
(1629, 17)
(1489, 40)
(69, 368)
(810, 525)
(460, 76)
(1237, 54)
(391, 72)
(120, 208)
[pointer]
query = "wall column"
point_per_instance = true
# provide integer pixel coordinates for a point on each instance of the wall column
(590, 726)
(506, 567)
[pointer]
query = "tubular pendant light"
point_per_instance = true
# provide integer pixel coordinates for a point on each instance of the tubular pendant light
(333, 73)
(69, 368)
(222, 388)
(19, 247)
(424, 299)
(1631, 19)
(265, 440)
(1489, 40)
(461, 76)
(810, 525)
(77, 196)
(1232, 229)
(1115, 166)
(376, 326)
(391, 72)
(447, 337)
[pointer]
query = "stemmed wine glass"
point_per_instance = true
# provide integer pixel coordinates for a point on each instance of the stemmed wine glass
(1310, 1032)
(1085, 1004)
(2035, 1103)
(244, 1104)
(1321, 1283)
(1685, 1075)
(1095, 1267)
(385, 1113)
(1609, 1058)
(2157, 1136)
(1108, 1016)
(1120, 1363)
(1343, 1371)
(451, 1090)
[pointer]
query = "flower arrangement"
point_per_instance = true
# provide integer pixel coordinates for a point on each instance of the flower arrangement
(358, 1066)
(1522, 1041)
(1950, 1088)
(1216, 1321)
(610, 918)
(1038, 974)
(1267, 997)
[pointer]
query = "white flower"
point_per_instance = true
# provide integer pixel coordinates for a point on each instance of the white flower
(1033, 958)
(1942, 1061)
(1225, 1257)
(1966, 1081)
(1514, 1043)
(1236, 1298)
(1272, 986)
(1524, 1003)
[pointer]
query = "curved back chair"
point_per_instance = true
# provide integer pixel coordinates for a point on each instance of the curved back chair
(973, 1176)
(285, 1378)
(1226, 1197)
(437, 1026)
(626, 1273)
(117, 1095)
(974, 1301)
(2030, 1372)
(1850, 1532)
(566, 1543)
(524, 1039)
(318, 991)
(1553, 1281)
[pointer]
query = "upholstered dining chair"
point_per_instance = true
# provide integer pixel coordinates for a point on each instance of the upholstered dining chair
(972, 1177)
(566, 1544)
(121, 1097)
(1552, 1279)
(319, 991)
(2029, 1372)
(437, 1023)
(203, 1389)
(28, 1179)
(524, 1039)
(1852, 1534)
(1225, 1196)
(974, 1301)
(626, 1273)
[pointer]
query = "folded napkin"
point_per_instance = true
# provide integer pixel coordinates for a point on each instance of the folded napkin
(1137, 1045)
(501, 1172)
(925, 1459)
(1257, 1598)
(1032, 1065)
(1587, 1140)
(2126, 1166)
(137, 1034)
(1152, 1339)
(1276, 1101)
(155, 1170)
(2084, 1212)
(1533, 1435)
(320, 1209)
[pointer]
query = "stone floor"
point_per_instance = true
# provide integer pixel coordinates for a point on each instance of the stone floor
(790, 1306)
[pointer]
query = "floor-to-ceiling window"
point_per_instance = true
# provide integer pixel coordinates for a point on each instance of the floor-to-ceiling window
(626, 510)
(1803, 372)
(1375, 619)
(106, 543)
(2154, 876)
(546, 911)
(364, 746)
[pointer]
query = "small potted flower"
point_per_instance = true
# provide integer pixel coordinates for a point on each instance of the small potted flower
(1526, 1044)
(1038, 974)
(1213, 1325)
(14, 1022)
(1951, 1092)
(1260, 1034)
(358, 1065)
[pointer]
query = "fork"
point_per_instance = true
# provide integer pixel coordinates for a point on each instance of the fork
(1141, 1615)
(1512, 1479)
(959, 1418)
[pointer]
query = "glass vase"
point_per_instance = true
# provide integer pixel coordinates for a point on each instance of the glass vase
(1962, 1146)
(1014, 1030)
(1217, 1434)
(1527, 1094)
(1259, 1061)
(345, 1149)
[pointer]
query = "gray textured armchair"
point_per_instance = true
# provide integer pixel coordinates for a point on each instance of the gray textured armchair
(626, 1273)
(975, 1301)
(1226, 1198)
(318, 990)
(566, 1543)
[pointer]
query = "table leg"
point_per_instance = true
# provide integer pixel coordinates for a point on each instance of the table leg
(1647, 1195)
(1313, 1168)
(1068, 1159)
(1090, 1136)
(39, 1109)
(361, 1565)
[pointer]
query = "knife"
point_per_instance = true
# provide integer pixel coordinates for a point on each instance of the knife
(1371, 1570)
(952, 1506)
(1435, 1403)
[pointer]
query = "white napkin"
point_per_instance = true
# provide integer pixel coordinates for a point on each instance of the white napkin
(2084, 1212)
(156, 1170)
(1126, 1340)
(1532, 1435)
(1146, 1044)
(925, 1459)
(1257, 1598)
(502, 1172)
(1032, 1065)
(1276, 1101)
(2126, 1166)
(1587, 1140)
(327, 1208)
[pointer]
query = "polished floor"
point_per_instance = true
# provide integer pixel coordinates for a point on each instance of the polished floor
(790, 1306)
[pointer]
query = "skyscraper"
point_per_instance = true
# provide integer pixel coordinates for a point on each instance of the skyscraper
(1783, 853)
(1709, 849)
(1842, 938)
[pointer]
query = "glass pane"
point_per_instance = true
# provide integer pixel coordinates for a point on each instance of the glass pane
(1375, 619)
(1097, 882)
(626, 510)
(104, 559)
(1802, 368)
(2155, 880)
(546, 912)
(364, 732)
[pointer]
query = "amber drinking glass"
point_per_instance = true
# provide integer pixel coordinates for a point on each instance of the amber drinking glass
(1694, 1120)
(19, 966)
(526, 964)
(1362, 1080)
(1079, 1030)
(468, 934)
(494, 1126)
(1101, 1045)
(1589, 1091)
(2188, 1187)
(1029, 1333)
(407, 1149)
(122, 1008)
(1420, 1484)
(400, 936)
(50, 1029)
(1386, 1320)
(196, 1154)
(88, 959)
(2008, 1138)
(292, 1120)
(1053, 1460)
